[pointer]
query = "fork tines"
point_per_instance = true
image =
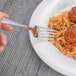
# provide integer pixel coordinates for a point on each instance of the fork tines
(45, 33)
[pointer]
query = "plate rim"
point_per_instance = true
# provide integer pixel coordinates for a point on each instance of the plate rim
(57, 70)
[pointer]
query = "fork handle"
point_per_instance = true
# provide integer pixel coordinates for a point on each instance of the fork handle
(10, 22)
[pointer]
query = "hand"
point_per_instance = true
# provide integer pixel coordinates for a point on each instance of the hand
(3, 39)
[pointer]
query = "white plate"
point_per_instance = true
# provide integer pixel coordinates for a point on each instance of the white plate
(45, 50)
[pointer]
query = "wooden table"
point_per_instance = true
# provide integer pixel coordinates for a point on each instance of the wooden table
(19, 58)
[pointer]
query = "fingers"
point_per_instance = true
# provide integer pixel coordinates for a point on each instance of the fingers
(4, 15)
(7, 27)
(1, 18)
(1, 48)
(2, 41)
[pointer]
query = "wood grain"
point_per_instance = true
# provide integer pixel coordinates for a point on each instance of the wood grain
(19, 58)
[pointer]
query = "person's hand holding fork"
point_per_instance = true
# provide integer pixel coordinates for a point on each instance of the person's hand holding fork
(3, 38)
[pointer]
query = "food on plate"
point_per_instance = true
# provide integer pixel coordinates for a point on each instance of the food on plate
(70, 34)
(35, 31)
(72, 14)
(65, 38)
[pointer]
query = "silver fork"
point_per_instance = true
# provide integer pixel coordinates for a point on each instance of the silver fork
(39, 32)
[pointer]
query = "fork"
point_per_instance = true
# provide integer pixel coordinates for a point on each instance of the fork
(43, 33)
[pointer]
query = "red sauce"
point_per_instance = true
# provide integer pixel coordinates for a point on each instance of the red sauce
(68, 47)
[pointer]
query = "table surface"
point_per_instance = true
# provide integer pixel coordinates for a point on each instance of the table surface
(19, 58)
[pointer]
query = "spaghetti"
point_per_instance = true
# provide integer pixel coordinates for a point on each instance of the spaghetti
(61, 22)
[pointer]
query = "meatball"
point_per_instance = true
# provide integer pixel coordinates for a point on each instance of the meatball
(70, 34)
(72, 14)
